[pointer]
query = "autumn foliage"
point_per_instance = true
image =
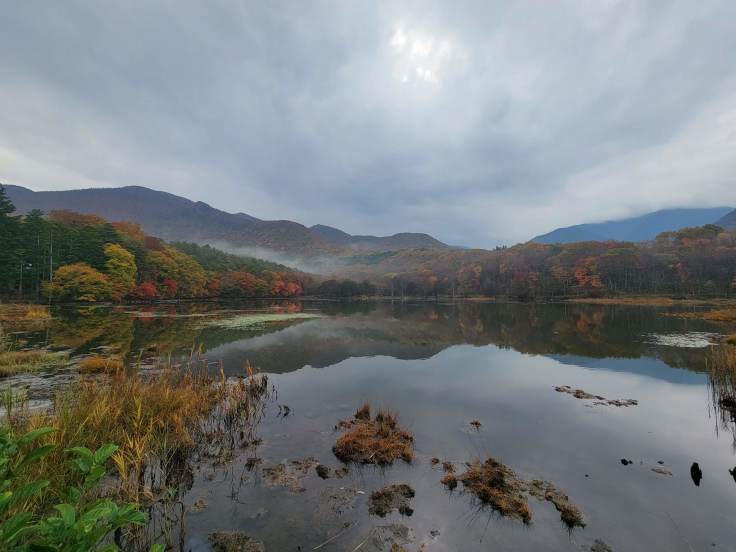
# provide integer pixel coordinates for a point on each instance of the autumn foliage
(688, 262)
(70, 256)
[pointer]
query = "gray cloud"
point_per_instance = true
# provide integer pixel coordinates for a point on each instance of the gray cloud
(480, 123)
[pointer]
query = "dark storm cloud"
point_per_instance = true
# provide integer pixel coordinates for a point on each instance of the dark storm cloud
(477, 122)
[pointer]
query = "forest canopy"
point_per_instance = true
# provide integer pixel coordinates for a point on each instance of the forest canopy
(68, 256)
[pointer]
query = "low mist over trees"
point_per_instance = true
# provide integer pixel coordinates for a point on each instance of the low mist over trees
(67, 256)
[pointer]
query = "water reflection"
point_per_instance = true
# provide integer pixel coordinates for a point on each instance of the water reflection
(404, 331)
(442, 366)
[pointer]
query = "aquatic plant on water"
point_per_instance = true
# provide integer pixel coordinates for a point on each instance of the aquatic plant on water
(248, 321)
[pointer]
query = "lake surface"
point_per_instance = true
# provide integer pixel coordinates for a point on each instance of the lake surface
(440, 366)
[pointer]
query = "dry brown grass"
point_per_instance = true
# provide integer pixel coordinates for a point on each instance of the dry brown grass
(722, 380)
(498, 487)
(721, 315)
(449, 481)
(725, 315)
(17, 362)
(23, 312)
(100, 364)
(731, 339)
(373, 441)
(157, 421)
(648, 301)
(569, 513)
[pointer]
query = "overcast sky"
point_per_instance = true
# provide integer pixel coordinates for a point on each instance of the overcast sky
(480, 123)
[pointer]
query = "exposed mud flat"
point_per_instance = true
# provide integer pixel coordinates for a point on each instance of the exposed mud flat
(384, 538)
(289, 474)
(234, 541)
(598, 399)
(390, 498)
(599, 546)
(338, 500)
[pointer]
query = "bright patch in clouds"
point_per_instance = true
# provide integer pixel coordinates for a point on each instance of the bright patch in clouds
(420, 57)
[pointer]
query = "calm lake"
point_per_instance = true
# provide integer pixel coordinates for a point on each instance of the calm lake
(439, 367)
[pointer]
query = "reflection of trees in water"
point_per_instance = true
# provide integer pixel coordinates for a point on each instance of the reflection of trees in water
(422, 330)
(722, 383)
(595, 331)
(151, 329)
(402, 330)
(85, 329)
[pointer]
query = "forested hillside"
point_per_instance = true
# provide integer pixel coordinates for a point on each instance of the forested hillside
(67, 256)
(690, 262)
(71, 256)
(172, 217)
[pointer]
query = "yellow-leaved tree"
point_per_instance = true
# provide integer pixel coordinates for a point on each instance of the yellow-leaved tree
(121, 269)
(79, 282)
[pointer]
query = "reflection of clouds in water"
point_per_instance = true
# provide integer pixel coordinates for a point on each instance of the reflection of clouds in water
(314, 328)
(689, 340)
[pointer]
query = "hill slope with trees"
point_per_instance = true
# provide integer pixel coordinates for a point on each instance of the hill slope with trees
(171, 217)
(69, 256)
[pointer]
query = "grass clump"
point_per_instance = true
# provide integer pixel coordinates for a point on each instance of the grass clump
(100, 364)
(722, 380)
(724, 315)
(160, 421)
(379, 440)
(23, 313)
(17, 362)
(569, 513)
(496, 485)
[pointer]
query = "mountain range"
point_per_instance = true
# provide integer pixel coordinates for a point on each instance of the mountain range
(641, 228)
(175, 218)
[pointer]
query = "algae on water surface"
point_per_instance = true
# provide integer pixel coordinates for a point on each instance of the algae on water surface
(256, 320)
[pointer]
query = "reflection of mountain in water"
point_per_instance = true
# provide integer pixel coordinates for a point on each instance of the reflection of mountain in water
(415, 331)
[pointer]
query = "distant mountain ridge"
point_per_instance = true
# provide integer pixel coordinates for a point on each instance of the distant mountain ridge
(175, 218)
(728, 221)
(641, 228)
(403, 240)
